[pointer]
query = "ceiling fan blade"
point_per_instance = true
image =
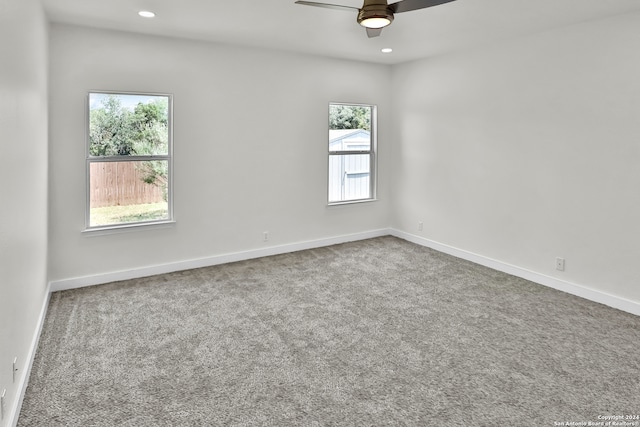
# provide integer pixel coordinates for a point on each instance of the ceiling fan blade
(408, 5)
(373, 32)
(327, 5)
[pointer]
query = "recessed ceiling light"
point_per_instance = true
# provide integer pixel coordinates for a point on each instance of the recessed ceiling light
(386, 50)
(146, 14)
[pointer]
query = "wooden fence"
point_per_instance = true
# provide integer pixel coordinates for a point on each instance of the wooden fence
(120, 183)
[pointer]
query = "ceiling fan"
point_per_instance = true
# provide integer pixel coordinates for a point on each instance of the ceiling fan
(374, 15)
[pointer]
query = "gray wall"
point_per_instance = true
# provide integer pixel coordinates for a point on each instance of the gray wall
(23, 193)
(244, 161)
(528, 150)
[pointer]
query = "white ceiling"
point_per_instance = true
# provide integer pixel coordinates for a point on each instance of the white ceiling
(281, 24)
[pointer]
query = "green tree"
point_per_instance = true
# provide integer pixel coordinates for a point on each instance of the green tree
(151, 136)
(150, 128)
(349, 117)
(110, 131)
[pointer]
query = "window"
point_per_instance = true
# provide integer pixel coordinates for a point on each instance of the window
(128, 159)
(352, 141)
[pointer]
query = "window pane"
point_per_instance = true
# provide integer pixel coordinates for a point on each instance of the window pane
(127, 192)
(128, 125)
(349, 177)
(349, 127)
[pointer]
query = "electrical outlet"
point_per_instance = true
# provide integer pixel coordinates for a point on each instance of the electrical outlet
(2, 397)
(265, 236)
(420, 224)
(560, 264)
(15, 368)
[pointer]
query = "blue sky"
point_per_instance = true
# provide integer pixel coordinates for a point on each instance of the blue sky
(128, 101)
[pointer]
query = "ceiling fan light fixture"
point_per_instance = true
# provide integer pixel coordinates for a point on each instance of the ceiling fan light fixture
(375, 16)
(375, 22)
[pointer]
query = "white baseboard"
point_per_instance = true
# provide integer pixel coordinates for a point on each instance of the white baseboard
(80, 282)
(623, 304)
(561, 285)
(23, 381)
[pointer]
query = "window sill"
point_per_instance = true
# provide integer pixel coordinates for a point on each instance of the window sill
(126, 228)
(351, 202)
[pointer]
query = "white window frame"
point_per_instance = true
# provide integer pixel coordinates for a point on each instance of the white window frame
(372, 152)
(101, 159)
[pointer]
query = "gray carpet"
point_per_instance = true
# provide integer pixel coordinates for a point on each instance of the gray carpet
(371, 333)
